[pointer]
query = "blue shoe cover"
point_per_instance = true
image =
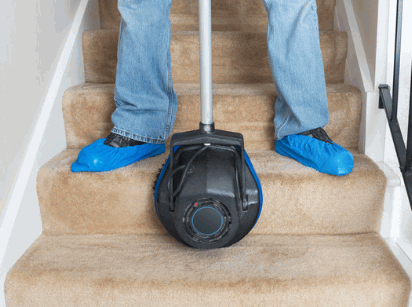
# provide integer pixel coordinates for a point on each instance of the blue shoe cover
(326, 158)
(98, 157)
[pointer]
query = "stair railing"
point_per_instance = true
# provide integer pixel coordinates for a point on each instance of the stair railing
(390, 104)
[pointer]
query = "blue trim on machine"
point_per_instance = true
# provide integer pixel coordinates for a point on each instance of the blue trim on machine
(249, 163)
(159, 180)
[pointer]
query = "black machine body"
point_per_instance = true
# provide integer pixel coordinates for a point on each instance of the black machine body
(208, 194)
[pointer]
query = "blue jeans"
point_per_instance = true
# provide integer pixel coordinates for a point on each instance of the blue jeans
(146, 102)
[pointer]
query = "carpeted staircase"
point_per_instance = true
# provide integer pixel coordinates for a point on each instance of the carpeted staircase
(317, 242)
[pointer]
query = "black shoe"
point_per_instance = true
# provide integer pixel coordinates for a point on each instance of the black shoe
(117, 141)
(318, 134)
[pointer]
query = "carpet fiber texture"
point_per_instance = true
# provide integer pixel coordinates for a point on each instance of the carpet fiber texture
(317, 241)
(113, 270)
(237, 57)
(88, 109)
(296, 199)
(228, 15)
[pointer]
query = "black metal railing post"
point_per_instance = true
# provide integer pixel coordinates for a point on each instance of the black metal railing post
(397, 60)
(408, 164)
(390, 104)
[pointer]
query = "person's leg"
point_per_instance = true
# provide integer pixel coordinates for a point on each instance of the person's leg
(297, 69)
(146, 102)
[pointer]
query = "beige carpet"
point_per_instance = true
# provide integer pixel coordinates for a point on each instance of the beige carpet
(261, 270)
(88, 109)
(227, 15)
(317, 242)
(297, 199)
(237, 57)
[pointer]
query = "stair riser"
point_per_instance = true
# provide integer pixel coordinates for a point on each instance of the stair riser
(236, 57)
(121, 201)
(87, 114)
(227, 15)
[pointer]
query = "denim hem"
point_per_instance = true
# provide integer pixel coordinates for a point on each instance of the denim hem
(137, 137)
(321, 126)
(170, 95)
(169, 81)
(277, 134)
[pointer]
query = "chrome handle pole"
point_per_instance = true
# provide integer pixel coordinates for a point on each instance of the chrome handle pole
(205, 46)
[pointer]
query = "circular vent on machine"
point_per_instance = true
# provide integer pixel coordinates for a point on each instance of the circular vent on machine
(207, 220)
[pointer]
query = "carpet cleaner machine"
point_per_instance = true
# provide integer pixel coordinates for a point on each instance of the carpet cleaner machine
(207, 194)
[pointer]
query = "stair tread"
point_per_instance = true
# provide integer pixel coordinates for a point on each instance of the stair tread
(244, 108)
(238, 57)
(196, 33)
(296, 199)
(236, 14)
(218, 89)
(260, 270)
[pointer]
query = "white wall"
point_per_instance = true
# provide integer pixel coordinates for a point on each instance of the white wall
(364, 67)
(31, 36)
(367, 17)
(41, 44)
